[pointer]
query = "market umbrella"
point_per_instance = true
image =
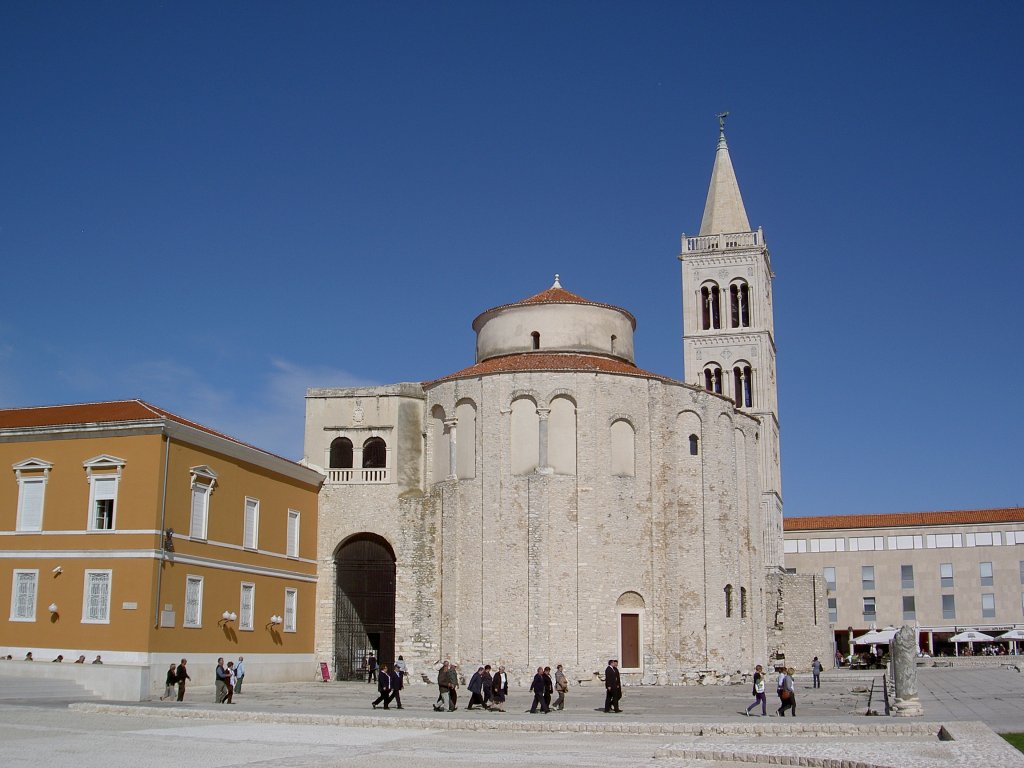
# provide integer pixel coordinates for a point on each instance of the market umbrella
(876, 637)
(971, 636)
(1013, 636)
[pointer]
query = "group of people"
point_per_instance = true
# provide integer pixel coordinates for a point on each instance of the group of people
(60, 658)
(785, 689)
(390, 682)
(227, 678)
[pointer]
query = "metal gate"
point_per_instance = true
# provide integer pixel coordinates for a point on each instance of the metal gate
(364, 605)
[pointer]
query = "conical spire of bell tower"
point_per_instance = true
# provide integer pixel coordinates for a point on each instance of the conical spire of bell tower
(723, 212)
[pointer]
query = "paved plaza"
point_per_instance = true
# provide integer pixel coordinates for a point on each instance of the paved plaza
(315, 725)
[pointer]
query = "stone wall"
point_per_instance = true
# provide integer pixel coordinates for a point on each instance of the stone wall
(798, 628)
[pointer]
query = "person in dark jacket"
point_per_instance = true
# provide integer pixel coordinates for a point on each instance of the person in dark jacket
(487, 682)
(172, 678)
(549, 688)
(612, 686)
(538, 687)
(383, 687)
(371, 669)
(397, 684)
(475, 688)
(499, 689)
(181, 675)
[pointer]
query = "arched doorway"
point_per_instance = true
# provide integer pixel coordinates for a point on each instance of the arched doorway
(364, 604)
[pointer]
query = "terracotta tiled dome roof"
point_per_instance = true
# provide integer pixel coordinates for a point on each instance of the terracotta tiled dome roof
(556, 294)
(550, 361)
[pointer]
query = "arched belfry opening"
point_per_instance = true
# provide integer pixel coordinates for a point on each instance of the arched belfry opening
(364, 604)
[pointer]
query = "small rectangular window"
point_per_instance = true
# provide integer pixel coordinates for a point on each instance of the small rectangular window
(96, 601)
(907, 576)
(869, 609)
(104, 493)
(985, 571)
(293, 533)
(291, 597)
(867, 578)
(988, 606)
(946, 575)
(833, 610)
(250, 534)
(909, 612)
(829, 572)
(193, 601)
(246, 605)
(1022, 571)
(948, 607)
(23, 595)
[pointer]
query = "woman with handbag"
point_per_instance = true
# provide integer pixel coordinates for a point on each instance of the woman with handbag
(787, 694)
(758, 692)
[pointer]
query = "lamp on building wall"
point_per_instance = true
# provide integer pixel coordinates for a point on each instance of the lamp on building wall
(274, 621)
(52, 608)
(227, 617)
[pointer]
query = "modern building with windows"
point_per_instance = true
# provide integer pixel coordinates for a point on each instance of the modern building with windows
(132, 533)
(942, 572)
(555, 503)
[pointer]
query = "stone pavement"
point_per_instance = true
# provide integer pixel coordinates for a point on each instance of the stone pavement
(318, 724)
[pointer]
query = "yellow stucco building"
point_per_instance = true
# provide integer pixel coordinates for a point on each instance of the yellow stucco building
(131, 533)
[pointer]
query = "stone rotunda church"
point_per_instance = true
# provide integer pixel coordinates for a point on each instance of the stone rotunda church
(556, 503)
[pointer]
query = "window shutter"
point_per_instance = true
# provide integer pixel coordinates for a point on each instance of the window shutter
(104, 488)
(249, 533)
(25, 599)
(289, 610)
(245, 620)
(199, 497)
(32, 505)
(193, 601)
(293, 534)
(98, 602)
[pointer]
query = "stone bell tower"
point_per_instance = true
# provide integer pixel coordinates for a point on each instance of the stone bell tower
(728, 328)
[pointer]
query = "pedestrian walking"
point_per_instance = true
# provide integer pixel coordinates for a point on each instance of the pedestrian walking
(475, 688)
(383, 687)
(397, 683)
(181, 675)
(561, 687)
(487, 683)
(612, 686)
(172, 678)
(758, 692)
(220, 682)
(231, 683)
(816, 672)
(549, 688)
(371, 669)
(537, 687)
(239, 673)
(499, 689)
(787, 694)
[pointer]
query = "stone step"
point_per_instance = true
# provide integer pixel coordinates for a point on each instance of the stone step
(13, 689)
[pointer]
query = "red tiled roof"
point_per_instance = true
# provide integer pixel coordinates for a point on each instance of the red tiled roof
(905, 519)
(556, 294)
(550, 361)
(110, 412)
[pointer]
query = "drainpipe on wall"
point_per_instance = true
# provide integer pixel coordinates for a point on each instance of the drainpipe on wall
(163, 533)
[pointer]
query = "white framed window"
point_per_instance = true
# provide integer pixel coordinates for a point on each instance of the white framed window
(985, 573)
(946, 576)
(203, 481)
(32, 475)
(867, 578)
(293, 533)
(246, 604)
(103, 474)
(988, 606)
(829, 572)
(251, 526)
(24, 589)
(291, 599)
(193, 601)
(96, 600)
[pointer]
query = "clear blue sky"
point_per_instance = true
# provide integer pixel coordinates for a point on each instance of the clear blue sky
(213, 206)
